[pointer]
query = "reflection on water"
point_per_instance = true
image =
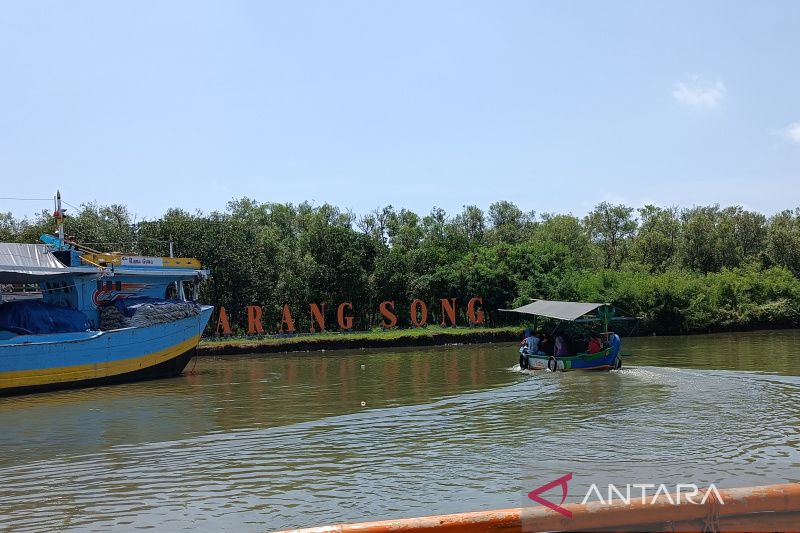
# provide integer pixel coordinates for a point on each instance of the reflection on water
(763, 351)
(259, 443)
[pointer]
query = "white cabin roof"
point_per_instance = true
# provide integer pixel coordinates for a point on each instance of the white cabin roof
(555, 309)
(32, 263)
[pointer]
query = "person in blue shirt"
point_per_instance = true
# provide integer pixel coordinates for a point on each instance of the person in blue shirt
(529, 346)
(533, 345)
(614, 343)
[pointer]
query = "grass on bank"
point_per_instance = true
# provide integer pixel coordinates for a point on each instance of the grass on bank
(375, 334)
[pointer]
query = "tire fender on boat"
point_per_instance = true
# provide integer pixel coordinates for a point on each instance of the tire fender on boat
(552, 364)
(618, 363)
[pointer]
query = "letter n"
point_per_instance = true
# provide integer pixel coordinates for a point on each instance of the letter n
(474, 317)
(223, 323)
(254, 320)
(286, 318)
(383, 308)
(448, 311)
(318, 316)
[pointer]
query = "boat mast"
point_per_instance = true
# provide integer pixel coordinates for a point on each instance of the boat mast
(59, 214)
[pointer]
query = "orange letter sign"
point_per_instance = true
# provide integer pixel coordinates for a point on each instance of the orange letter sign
(254, 320)
(223, 323)
(345, 322)
(286, 318)
(474, 318)
(448, 311)
(384, 310)
(419, 306)
(318, 316)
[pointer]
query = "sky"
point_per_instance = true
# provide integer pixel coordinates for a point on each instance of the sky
(555, 106)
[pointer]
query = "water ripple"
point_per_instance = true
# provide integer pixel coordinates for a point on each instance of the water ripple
(463, 442)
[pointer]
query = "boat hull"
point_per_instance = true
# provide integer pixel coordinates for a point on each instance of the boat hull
(605, 360)
(48, 362)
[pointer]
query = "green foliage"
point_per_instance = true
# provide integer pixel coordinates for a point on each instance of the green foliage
(658, 238)
(715, 238)
(612, 227)
(783, 240)
(697, 269)
(508, 223)
(10, 227)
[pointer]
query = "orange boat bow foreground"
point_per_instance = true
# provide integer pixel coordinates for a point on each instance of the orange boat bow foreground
(769, 508)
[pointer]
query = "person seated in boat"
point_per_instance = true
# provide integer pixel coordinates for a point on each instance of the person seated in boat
(580, 344)
(594, 345)
(533, 345)
(524, 342)
(530, 345)
(547, 344)
(562, 346)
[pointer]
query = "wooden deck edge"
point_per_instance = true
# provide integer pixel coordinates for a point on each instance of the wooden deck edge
(770, 508)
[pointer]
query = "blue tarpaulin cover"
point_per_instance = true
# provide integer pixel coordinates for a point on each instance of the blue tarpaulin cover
(34, 317)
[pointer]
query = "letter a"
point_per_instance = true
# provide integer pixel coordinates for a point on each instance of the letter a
(223, 323)
(286, 318)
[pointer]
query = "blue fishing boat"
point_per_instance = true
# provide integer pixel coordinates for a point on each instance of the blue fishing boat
(603, 354)
(97, 318)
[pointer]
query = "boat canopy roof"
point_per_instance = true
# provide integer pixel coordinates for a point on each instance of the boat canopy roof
(33, 263)
(28, 263)
(559, 310)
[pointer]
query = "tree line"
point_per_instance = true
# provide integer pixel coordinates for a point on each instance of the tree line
(692, 269)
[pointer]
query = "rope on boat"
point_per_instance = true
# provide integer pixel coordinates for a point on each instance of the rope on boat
(147, 314)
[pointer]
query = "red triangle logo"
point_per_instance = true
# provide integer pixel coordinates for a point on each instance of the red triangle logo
(562, 481)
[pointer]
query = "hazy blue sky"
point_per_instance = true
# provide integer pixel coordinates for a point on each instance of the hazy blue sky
(554, 105)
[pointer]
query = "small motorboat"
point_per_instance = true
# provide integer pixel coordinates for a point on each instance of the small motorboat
(605, 356)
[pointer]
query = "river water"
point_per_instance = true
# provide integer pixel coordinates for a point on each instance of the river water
(257, 443)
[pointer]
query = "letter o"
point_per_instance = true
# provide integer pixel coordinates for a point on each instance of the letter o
(419, 306)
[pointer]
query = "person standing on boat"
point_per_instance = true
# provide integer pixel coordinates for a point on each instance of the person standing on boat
(614, 343)
(523, 355)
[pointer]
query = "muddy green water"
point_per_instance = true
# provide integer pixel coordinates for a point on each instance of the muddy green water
(258, 443)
